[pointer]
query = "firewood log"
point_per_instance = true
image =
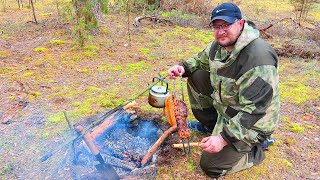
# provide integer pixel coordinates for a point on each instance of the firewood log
(156, 145)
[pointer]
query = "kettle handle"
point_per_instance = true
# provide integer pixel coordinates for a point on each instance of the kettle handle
(163, 81)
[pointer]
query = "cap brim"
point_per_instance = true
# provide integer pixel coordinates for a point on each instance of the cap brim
(224, 18)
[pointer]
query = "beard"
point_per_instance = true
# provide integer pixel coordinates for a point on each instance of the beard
(230, 43)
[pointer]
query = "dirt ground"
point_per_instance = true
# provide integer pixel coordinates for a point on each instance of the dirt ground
(42, 65)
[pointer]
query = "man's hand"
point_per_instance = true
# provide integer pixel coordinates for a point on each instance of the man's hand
(213, 144)
(175, 71)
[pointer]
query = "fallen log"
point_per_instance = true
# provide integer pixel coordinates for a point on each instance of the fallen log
(192, 144)
(137, 20)
(156, 145)
(8, 115)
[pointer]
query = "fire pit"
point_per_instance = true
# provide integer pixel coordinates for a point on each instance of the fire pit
(122, 145)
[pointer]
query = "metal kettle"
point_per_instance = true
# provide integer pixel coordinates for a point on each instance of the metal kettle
(158, 94)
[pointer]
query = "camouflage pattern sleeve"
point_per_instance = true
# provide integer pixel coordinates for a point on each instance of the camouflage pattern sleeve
(200, 61)
(257, 113)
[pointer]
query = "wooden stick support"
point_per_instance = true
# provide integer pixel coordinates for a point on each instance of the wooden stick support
(192, 144)
(156, 145)
(88, 140)
(130, 105)
(67, 119)
(104, 125)
(107, 123)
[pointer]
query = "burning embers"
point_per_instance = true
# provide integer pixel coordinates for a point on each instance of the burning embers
(123, 144)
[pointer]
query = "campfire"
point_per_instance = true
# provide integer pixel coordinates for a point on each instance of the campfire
(122, 145)
(119, 145)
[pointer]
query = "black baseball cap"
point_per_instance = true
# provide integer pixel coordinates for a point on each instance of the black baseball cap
(228, 12)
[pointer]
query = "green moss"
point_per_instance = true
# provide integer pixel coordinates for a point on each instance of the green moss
(75, 47)
(278, 142)
(82, 109)
(176, 14)
(296, 93)
(6, 70)
(151, 58)
(296, 128)
(148, 109)
(116, 68)
(4, 54)
(46, 135)
(104, 30)
(103, 67)
(91, 48)
(12, 97)
(154, 44)
(109, 99)
(70, 58)
(56, 118)
(35, 94)
(85, 71)
(204, 36)
(145, 51)
(132, 68)
(285, 119)
(57, 42)
(104, 102)
(190, 165)
(285, 163)
(64, 92)
(290, 141)
(195, 48)
(28, 74)
(165, 172)
(40, 49)
(76, 104)
(309, 127)
(5, 169)
(89, 54)
(93, 89)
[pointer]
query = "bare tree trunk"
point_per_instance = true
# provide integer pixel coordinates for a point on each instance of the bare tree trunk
(57, 5)
(33, 12)
(128, 21)
(97, 9)
(4, 4)
(18, 3)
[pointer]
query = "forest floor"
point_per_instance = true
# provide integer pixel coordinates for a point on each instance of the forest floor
(42, 65)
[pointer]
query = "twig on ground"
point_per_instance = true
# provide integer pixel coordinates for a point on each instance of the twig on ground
(155, 19)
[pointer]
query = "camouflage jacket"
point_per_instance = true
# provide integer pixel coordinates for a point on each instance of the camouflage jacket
(246, 88)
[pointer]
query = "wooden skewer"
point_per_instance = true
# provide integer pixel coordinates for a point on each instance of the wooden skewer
(192, 144)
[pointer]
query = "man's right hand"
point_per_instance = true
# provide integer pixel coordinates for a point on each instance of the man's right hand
(175, 71)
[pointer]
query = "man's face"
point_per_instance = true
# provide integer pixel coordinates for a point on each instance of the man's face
(226, 34)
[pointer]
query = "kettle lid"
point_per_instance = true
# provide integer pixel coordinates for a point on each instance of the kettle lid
(159, 89)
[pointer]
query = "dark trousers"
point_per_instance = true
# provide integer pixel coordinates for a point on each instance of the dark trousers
(199, 91)
(228, 160)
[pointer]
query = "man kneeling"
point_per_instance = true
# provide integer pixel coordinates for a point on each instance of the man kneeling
(233, 88)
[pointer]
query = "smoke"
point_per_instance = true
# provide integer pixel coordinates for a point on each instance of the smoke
(125, 143)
